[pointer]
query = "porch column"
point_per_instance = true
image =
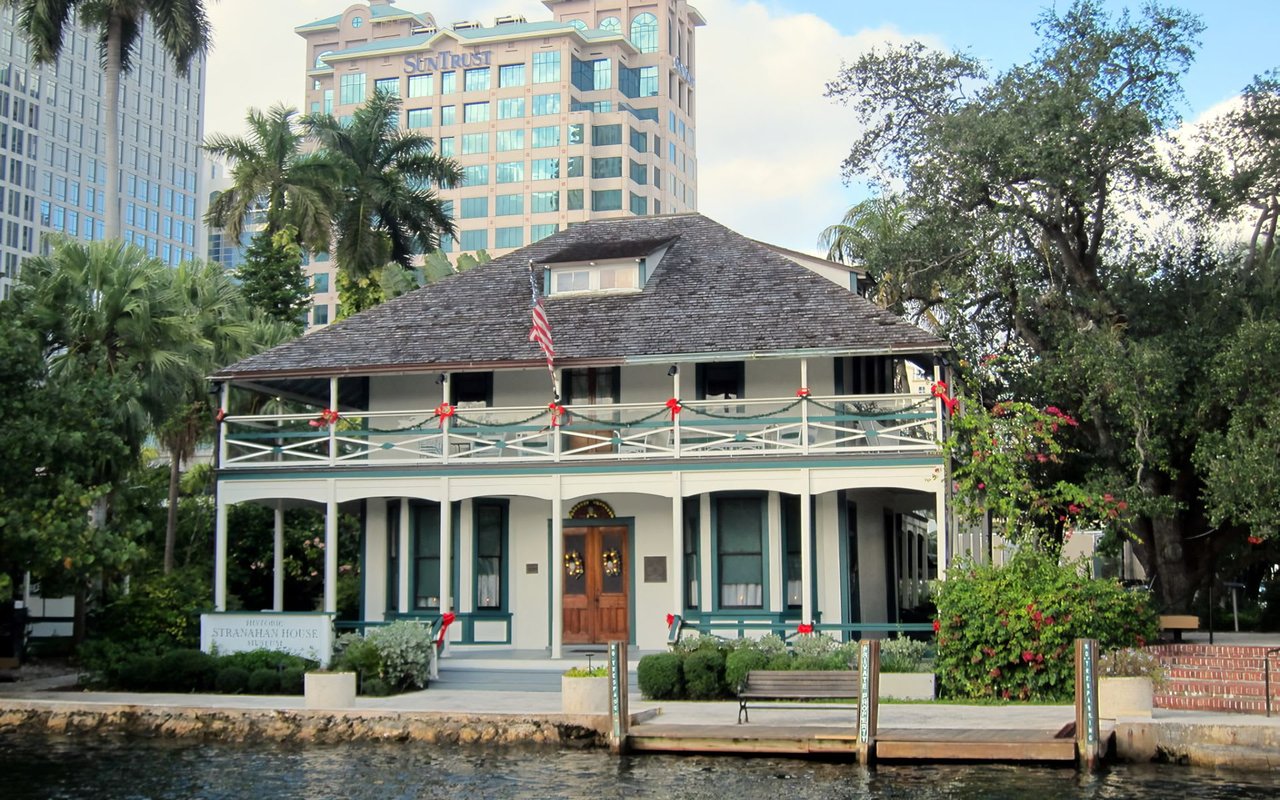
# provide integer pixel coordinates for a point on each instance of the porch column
(776, 553)
(677, 546)
(940, 515)
(706, 589)
(331, 549)
(804, 411)
(332, 427)
(446, 547)
(402, 559)
(806, 549)
(220, 555)
(557, 571)
(466, 588)
(277, 564)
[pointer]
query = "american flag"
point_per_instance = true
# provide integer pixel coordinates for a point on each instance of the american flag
(540, 330)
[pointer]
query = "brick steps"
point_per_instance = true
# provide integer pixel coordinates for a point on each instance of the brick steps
(1227, 678)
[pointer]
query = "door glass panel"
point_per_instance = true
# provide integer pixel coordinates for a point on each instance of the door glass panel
(612, 564)
(575, 564)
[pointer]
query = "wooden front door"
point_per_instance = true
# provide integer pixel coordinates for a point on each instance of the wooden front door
(595, 584)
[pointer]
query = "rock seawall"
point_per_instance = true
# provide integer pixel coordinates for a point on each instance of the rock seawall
(300, 726)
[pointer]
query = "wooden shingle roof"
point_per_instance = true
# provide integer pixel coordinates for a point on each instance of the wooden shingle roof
(714, 294)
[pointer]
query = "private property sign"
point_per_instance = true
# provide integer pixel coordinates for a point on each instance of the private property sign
(307, 634)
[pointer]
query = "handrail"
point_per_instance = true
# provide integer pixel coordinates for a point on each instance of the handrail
(1266, 672)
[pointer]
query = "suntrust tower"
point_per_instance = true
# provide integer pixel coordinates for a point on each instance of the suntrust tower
(587, 116)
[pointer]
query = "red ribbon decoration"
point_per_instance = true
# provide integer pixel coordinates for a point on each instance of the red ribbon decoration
(444, 411)
(673, 405)
(557, 411)
(446, 619)
(939, 390)
(670, 619)
(327, 417)
(803, 391)
(804, 627)
(219, 416)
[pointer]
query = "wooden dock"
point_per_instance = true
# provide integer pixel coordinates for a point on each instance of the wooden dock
(916, 744)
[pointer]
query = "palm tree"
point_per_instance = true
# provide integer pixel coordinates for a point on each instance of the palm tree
(269, 165)
(181, 26)
(232, 331)
(389, 209)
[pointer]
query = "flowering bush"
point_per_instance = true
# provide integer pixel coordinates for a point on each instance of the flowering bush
(1131, 663)
(1009, 632)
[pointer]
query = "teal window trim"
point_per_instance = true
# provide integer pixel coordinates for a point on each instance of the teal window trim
(691, 515)
(393, 557)
(503, 507)
(763, 500)
(792, 548)
(418, 508)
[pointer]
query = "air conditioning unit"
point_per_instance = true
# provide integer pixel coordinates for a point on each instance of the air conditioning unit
(466, 25)
(510, 19)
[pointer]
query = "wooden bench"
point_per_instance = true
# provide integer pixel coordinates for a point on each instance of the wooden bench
(1177, 623)
(797, 685)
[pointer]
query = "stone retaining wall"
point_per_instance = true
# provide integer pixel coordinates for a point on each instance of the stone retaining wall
(300, 726)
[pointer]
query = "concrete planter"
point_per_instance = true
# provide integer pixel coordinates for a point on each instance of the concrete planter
(907, 685)
(330, 689)
(584, 695)
(1124, 697)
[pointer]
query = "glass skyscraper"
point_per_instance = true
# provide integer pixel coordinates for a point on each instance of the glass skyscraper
(53, 145)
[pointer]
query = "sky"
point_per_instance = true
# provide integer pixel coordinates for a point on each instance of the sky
(769, 143)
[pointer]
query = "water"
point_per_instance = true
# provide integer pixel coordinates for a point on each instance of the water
(118, 769)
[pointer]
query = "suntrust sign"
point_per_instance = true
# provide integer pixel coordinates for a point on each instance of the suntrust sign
(434, 62)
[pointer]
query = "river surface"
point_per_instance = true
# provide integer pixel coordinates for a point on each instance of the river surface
(119, 769)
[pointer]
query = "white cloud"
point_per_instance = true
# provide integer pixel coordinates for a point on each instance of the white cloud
(769, 144)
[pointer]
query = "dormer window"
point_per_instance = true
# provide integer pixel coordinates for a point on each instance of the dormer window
(595, 277)
(356, 22)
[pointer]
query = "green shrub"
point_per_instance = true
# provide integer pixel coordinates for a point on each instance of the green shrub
(232, 680)
(264, 681)
(704, 674)
(902, 654)
(660, 676)
(187, 671)
(292, 680)
(375, 687)
(141, 673)
(813, 645)
(164, 609)
(740, 662)
(357, 654)
(1009, 631)
(250, 660)
(826, 663)
(405, 649)
(782, 661)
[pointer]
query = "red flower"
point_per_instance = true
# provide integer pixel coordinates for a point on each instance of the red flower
(937, 625)
(1028, 656)
(1255, 540)
(804, 627)
(994, 673)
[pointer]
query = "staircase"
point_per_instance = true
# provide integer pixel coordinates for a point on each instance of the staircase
(1224, 678)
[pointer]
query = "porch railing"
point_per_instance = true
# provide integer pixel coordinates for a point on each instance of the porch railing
(692, 429)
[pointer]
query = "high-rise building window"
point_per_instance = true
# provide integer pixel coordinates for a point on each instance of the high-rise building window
(510, 171)
(511, 75)
(475, 175)
(574, 167)
(506, 205)
(475, 143)
(544, 104)
(546, 136)
(639, 141)
(477, 80)
(508, 237)
(474, 208)
(448, 82)
(320, 282)
(606, 167)
(473, 240)
(475, 112)
(419, 117)
(546, 67)
(639, 172)
(611, 25)
(576, 133)
(573, 199)
(448, 115)
(602, 135)
(644, 32)
(389, 86)
(639, 205)
(544, 169)
(320, 315)
(422, 85)
(351, 88)
(606, 200)
(540, 232)
(511, 108)
(511, 140)
(544, 201)
(448, 146)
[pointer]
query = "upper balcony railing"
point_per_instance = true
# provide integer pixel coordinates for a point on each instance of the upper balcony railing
(797, 426)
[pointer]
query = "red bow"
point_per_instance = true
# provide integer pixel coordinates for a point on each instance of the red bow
(446, 619)
(673, 405)
(443, 411)
(939, 390)
(557, 411)
(803, 391)
(670, 619)
(327, 417)
(219, 415)
(804, 627)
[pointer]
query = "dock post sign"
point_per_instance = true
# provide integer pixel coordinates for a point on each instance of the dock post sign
(306, 634)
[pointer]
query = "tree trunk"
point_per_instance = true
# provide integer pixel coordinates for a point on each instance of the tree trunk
(171, 523)
(111, 121)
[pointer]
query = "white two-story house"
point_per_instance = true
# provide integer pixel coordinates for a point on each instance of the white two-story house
(733, 441)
